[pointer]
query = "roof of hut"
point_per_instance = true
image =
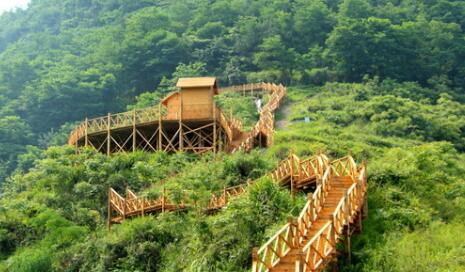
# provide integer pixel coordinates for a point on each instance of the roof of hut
(195, 82)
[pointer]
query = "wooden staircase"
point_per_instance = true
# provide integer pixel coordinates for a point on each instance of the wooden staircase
(308, 243)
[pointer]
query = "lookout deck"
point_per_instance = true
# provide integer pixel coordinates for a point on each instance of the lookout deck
(179, 124)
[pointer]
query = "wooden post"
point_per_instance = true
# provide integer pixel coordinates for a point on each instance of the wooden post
(365, 207)
(160, 129)
(348, 245)
(299, 262)
(134, 131)
(225, 196)
(143, 206)
(163, 201)
(86, 135)
(292, 175)
(292, 223)
(181, 134)
(214, 128)
(255, 259)
(124, 208)
(108, 134)
(109, 208)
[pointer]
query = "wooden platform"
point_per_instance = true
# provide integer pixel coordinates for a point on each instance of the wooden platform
(192, 127)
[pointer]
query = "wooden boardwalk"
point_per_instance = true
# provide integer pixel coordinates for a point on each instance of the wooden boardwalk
(307, 243)
(291, 172)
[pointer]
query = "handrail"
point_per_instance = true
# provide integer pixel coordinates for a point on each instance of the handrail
(116, 120)
(277, 247)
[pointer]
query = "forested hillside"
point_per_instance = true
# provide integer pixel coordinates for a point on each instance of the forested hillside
(383, 80)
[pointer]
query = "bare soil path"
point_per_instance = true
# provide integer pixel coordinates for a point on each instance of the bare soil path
(283, 115)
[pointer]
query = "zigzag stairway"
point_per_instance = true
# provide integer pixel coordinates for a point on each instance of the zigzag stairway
(307, 243)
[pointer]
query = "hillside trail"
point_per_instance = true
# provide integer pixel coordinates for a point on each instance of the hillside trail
(284, 113)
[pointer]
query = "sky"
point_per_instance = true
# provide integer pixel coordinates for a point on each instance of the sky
(6, 5)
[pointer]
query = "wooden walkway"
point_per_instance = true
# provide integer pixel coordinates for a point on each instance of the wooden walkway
(292, 172)
(307, 243)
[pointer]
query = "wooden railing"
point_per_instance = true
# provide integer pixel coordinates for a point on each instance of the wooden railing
(314, 252)
(221, 199)
(295, 171)
(285, 169)
(114, 121)
(133, 205)
(278, 246)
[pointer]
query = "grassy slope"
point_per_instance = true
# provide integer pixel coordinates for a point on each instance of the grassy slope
(52, 217)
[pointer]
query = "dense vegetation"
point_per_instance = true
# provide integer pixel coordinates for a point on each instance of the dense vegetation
(383, 80)
(102, 54)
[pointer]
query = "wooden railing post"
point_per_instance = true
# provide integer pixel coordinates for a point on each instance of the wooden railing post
(160, 129)
(108, 134)
(124, 208)
(255, 259)
(347, 207)
(225, 196)
(85, 131)
(294, 232)
(299, 261)
(134, 131)
(291, 160)
(163, 201)
(214, 128)
(143, 206)
(109, 208)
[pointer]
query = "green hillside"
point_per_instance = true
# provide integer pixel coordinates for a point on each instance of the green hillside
(381, 80)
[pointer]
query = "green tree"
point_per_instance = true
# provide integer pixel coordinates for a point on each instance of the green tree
(274, 55)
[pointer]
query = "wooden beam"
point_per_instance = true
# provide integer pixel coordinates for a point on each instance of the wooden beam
(181, 135)
(108, 134)
(134, 132)
(108, 209)
(86, 134)
(160, 129)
